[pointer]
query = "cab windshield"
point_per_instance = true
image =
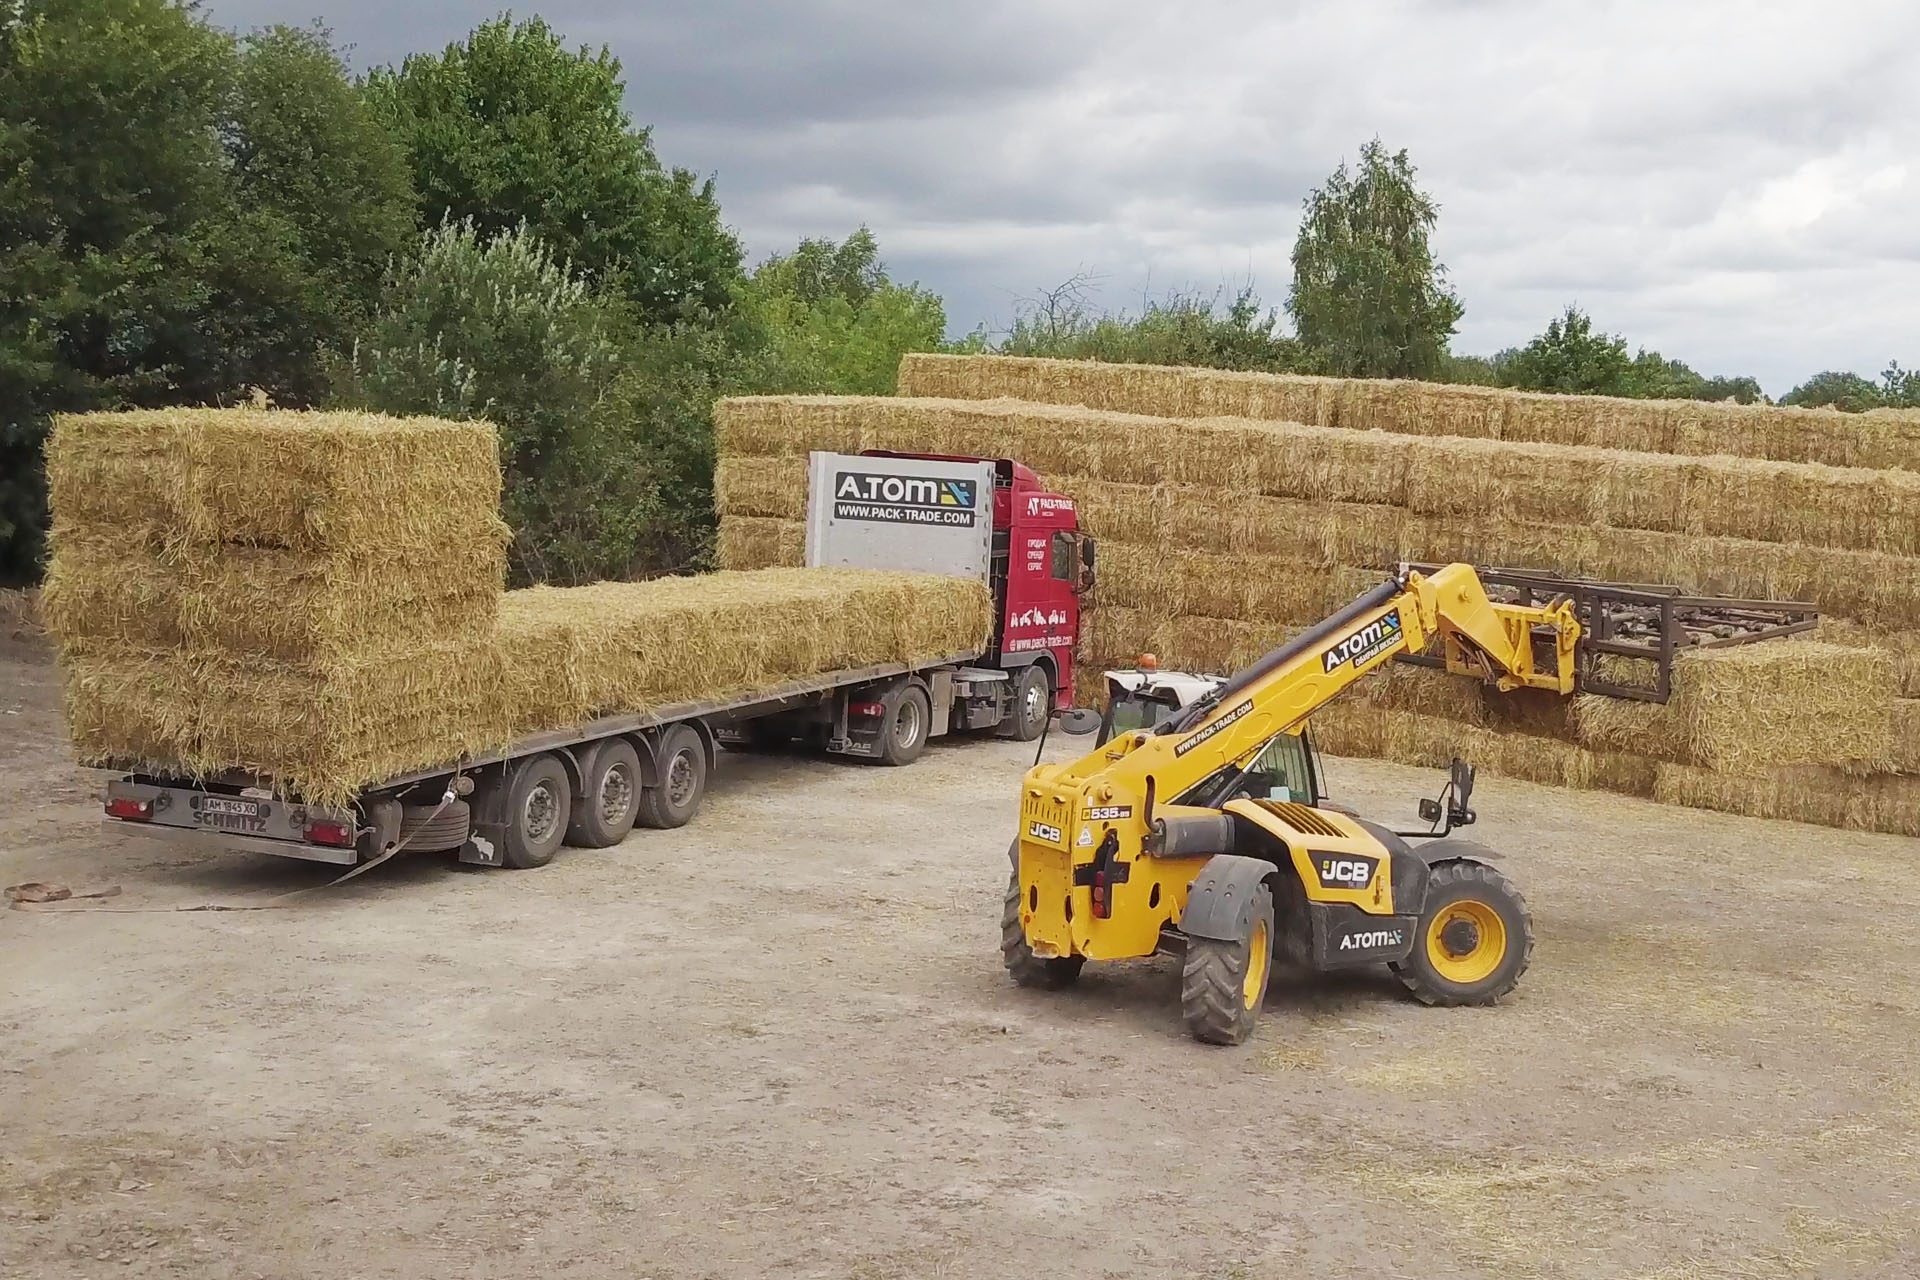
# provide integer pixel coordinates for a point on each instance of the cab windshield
(1282, 770)
(1128, 711)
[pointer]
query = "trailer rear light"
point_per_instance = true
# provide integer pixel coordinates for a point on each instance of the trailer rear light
(1102, 896)
(129, 808)
(867, 708)
(338, 834)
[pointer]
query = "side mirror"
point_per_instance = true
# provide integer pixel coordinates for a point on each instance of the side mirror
(1088, 576)
(1429, 810)
(1461, 781)
(1079, 721)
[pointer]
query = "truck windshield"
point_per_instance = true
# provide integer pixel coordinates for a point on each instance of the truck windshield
(1127, 712)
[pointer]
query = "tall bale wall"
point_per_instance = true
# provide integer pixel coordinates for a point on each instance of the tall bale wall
(1219, 538)
(1877, 440)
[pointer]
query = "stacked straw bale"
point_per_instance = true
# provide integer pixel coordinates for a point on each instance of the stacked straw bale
(1221, 536)
(307, 595)
(316, 599)
(572, 653)
(1878, 440)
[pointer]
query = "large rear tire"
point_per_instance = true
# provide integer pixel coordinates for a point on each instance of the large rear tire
(610, 799)
(903, 732)
(1474, 940)
(1045, 973)
(1224, 982)
(539, 803)
(681, 773)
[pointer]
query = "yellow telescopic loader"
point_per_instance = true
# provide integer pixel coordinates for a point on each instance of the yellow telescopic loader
(1202, 823)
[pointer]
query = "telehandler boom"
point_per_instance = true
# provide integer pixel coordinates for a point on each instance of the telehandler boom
(1210, 826)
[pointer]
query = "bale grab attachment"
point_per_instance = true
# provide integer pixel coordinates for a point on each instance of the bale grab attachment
(1638, 620)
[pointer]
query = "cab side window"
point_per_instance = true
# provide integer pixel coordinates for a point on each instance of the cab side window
(1281, 771)
(1062, 556)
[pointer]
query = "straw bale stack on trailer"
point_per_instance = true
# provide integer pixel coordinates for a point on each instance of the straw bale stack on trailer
(1221, 535)
(310, 595)
(317, 599)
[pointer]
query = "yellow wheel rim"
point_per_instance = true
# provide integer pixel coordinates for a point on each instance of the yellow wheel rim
(1259, 951)
(1466, 941)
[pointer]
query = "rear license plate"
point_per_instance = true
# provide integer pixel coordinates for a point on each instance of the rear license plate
(230, 813)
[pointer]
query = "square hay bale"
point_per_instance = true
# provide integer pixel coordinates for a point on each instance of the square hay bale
(569, 654)
(295, 605)
(320, 730)
(1883, 439)
(1906, 735)
(294, 535)
(769, 487)
(1354, 727)
(754, 542)
(1758, 707)
(1406, 686)
(301, 481)
(1887, 803)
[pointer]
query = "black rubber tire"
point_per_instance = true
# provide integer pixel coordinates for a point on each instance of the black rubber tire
(1030, 711)
(1469, 881)
(535, 830)
(680, 763)
(612, 771)
(909, 701)
(1213, 999)
(1044, 973)
(422, 832)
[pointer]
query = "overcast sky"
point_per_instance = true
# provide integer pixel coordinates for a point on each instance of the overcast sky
(1734, 184)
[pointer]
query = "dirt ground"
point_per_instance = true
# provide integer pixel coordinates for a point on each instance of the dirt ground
(779, 1043)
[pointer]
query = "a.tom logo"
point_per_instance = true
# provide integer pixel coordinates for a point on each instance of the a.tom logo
(1373, 939)
(895, 499)
(1367, 643)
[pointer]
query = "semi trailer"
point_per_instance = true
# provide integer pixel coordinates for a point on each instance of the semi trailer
(988, 519)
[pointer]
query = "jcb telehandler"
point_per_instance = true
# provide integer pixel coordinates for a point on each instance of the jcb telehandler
(1203, 822)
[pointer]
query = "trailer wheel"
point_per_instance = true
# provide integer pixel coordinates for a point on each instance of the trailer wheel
(1032, 703)
(903, 735)
(682, 771)
(610, 798)
(539, 803)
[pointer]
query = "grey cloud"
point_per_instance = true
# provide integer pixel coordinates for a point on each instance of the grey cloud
(1729, 183)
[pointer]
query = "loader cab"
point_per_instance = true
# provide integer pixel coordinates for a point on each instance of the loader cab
(1286, 769)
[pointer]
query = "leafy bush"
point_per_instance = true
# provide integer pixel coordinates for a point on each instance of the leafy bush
(604, 434)
(1180, 330)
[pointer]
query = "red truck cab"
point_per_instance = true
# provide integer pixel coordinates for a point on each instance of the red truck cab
(1043, 568)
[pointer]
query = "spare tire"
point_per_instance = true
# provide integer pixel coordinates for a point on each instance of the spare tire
(422, 829)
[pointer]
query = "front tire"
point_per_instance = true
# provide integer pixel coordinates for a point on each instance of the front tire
(1044, 973)
(1032, 703)
(1474, 941)
(1224, 982)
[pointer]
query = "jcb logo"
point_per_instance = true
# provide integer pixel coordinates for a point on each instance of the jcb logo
(1346, 873)
(1041, 831)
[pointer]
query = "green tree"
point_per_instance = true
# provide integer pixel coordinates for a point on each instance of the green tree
(110, 172)
(592, 409)
(1368, 298)
(1181, 329)
(1836, 390)
(511, 128)
(327, 179)
(1570, 358)
(832, 321)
